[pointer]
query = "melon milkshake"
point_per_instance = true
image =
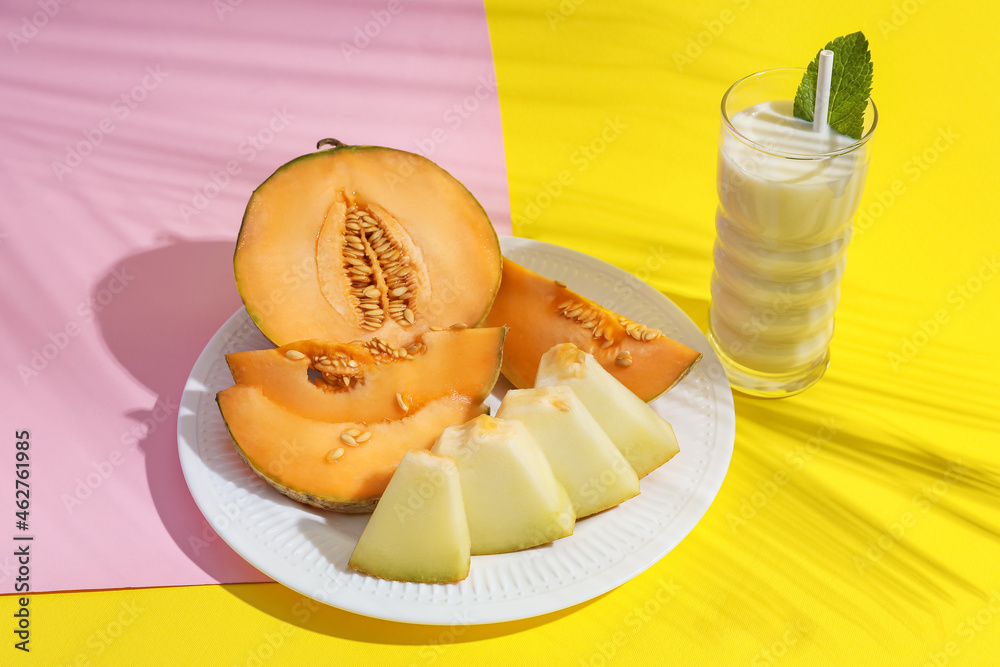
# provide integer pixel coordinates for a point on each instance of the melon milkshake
(787, 193)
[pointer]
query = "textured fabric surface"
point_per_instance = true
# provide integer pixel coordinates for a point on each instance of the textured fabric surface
(133, 135)
(858, 523)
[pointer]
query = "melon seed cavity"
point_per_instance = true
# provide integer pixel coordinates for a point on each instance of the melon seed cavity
(380, 274)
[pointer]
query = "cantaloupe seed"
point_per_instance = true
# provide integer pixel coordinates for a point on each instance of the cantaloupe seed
(378, 269)
(591, 318)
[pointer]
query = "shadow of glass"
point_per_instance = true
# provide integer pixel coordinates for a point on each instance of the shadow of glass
(826, 541)
(843, 547)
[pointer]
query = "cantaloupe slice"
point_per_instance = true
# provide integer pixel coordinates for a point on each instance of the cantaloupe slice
(542, 312)
(357, 242)
(512, 499)
(584, 460)
(373, 380)
(418, 531)
(645, 438)
(311, 462)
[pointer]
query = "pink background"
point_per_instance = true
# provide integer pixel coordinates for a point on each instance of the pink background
(132, 136)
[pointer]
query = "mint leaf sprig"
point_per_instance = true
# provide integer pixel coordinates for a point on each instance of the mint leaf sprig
(850, 85)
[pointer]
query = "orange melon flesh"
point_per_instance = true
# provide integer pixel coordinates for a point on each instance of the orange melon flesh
(442, 363)
(541, 313)
(294, 454)
(290, 263)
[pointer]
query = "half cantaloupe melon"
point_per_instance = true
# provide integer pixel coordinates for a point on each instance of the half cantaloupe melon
(358, 242)
(541, 313)
(373, 380)
(312, 462)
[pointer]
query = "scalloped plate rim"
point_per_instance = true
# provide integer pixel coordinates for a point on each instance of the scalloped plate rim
(525, 603)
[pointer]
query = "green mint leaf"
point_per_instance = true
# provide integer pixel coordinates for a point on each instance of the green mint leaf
(850, 85)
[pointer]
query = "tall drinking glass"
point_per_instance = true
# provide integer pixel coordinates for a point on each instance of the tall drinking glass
(787, 195)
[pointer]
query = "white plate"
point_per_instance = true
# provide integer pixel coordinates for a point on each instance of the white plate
(307, 549)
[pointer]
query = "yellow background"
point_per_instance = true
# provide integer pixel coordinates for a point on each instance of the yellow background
(858, 523)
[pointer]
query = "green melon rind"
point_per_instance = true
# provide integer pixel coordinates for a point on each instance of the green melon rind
(341, 505)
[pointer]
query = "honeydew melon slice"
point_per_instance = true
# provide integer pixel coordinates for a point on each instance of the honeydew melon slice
(584, 460)
(512, 498)
(418, 531)
(645, 438)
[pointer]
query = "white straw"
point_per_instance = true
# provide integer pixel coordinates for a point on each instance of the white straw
(823, 76)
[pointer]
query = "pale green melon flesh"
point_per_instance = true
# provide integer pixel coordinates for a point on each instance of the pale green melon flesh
(418, 531)
(645, 438)
(584, 460)
(512, 498)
